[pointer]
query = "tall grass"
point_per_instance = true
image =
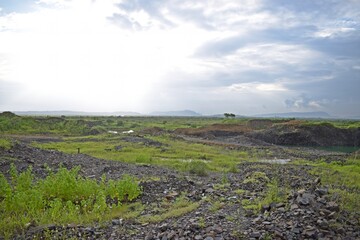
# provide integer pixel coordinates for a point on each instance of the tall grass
(5, 143)
(62, 197)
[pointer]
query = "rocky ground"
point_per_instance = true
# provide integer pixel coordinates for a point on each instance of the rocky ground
(308, 211)
(284, 133)
(262, 150)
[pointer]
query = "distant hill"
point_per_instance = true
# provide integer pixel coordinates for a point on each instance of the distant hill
(184, 113)
(354, 117)
(74, 113)
(296, 115)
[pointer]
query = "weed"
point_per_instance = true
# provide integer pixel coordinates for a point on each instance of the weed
(274, 193)
(257, 177)
(61, 197)
(198, 167)
(217, 205)
(230, 218)
(250, 204)
(240, 191)
(224, 179)
(233, 168)
(201, 222)
(268, 236)
(5, 143)
(180, 207)
(223, 187)
(143, 158)
(342, 178)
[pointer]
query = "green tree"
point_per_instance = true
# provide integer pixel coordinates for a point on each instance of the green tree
(229, 115)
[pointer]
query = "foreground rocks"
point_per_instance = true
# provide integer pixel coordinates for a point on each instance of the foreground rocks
(307, 211)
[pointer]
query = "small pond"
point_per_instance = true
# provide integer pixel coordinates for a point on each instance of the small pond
(343, 149)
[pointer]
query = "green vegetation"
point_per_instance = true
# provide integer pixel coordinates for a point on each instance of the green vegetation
(343, 178)
(202, 223)
(229, 115)
(174, 153)
(215, 206)
(334, 123)
(256, 177)
(274, 194)
(62, 197)
(90, 125)
(5, 143)
(178, 208)
(42, 125)
(197, 167)
(65, 197)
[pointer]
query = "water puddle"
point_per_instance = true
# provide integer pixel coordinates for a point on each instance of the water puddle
(342, 149)
(275, 161)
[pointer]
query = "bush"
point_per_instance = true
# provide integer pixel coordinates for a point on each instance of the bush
(143, 158)
(5, 143)
(62, 197)
(97, 130)
(198, 167)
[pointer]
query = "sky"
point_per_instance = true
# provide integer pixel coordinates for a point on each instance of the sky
(242, 56)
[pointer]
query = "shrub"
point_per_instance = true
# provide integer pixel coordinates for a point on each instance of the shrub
(143, 158)
(97, 130)
(61, 197)
(233, 168)
(257, 177)
(126, 189)
(198, 167)
(5, 143)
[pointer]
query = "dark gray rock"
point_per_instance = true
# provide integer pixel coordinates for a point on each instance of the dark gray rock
(255, 235)
(332, 206)
(321, 191)
(305, 199)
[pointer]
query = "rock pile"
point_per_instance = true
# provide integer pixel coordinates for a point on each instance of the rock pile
(308, 214)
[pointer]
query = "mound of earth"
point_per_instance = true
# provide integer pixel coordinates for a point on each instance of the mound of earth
(215, 130)
(308, 135)
(265, 132)
(8, 114)
(142, 140)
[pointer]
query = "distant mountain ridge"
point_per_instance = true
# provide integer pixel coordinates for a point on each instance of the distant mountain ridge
(74, 113)
(183, 113)
(296, 115)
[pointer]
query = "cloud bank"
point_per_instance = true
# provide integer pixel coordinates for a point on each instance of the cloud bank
(214, 56)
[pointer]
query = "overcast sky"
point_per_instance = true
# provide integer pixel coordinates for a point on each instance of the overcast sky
(241, 56)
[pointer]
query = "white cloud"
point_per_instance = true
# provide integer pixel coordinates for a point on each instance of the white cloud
(334, 32)
(269, 57)
(76, 53)
(305, 103)
(144, 55)
(257, 87)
